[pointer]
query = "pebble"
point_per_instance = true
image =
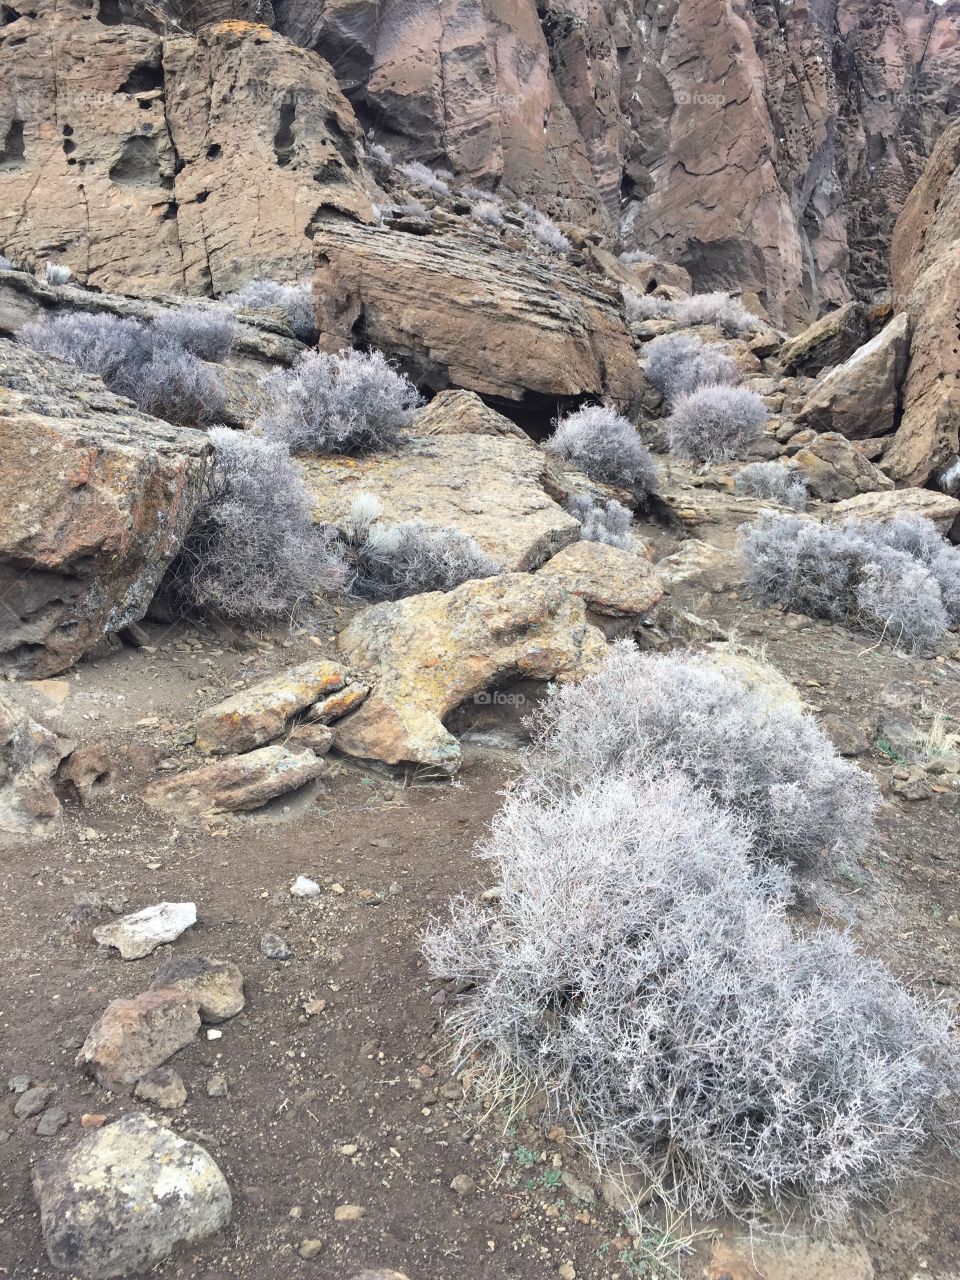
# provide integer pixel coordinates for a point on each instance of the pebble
(567, 1271)
(579, 1189)
(309, 1248)
(92, 1120)
(51, 1122)
(304, 887)
(32, 1102)
(463, 1185)
(349, 1149)
(349, 1212)
(275, 948)
(214, 1033)
(216, 1087)
(19, 1084)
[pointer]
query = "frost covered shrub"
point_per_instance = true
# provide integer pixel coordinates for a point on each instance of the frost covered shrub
(415, 209)
(351, 402)
(6, 264)
(547, 232)
(253, 550)
(645, 306)
(889, 579)
(389, 562)
(641, 973)
(380, 155)
(719, 309)
(773, 482)
(715, 423)
(489, 212)
(606, 447)
(209, 335)
(607, 522)
(156, 373)
(630, 257)
(768, 764)
(54, 273)
(426, 178)
(949, 480)
(677, 364)
(292, 299)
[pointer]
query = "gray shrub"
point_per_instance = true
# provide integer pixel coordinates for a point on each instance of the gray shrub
(293, 300)
(640, 974)
(379, 155)
(631, 257)
(773, 482)
(253, 551)
(891, 580)
(206, 334)
(606, 447)
(488, 211)
(352, 402)
(645, 306)
(677, 363)
(54, 273)
(719, 309)
(427, 178)
(715, 423)
(769, 764)
(607, 522)
(546, 231)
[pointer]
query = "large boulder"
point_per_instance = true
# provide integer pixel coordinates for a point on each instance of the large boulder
(833, 467)
(926, 255)
(861, 397)
(95, 499)
(827, 342)
(487, 487)
(614, 581)
(941, 508)
(427, 654)
(466, 311)
(122, 1198)
(29, 757)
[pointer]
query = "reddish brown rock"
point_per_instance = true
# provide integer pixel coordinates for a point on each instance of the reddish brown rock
(235, 782)
(861, 397)
(131, 1037)
(260, 714)
(610, 580)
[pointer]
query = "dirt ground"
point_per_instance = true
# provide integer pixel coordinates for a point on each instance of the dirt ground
(355, 1104)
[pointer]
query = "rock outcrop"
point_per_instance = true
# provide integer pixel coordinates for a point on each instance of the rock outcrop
(168, 162)
(833, 467)
(612, 581)
(489, 488)
(96, 500)
(466, 311)
(123, 1197)
(861, 397)
(483, 633)
(29, 758)
(926, 267)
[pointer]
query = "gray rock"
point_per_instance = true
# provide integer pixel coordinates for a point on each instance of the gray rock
(139, 934)
(19, 1084)
(274, 947)
(163, 1087)
(32, 1102)
(51, 1122)
(125, 1196)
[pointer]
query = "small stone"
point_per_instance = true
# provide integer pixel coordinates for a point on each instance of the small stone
(19, 1084)
(567, 1271)
(32, 1102)
(163, 1087)
(349, 1212)
(137, 935)
(274, 947)
(313, 1007)
(395, 889)
(579, 1189)
(463, 1185)
(304, 887)
(451, 1091)
(308, 1249)
(349, 1149)
(131, 1037)
(214, 1033)
(216, 1087)
(92, 1120)
(51, 1122)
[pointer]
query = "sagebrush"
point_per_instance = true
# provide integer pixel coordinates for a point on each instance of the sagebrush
(899, 580)
(253, 551)
(640, 974)
(293, 300)
(607, 448)
(607, 522)
(677, 364)
(54, 273)
(207, 334)
(6, 264)
(380, 155)
(427, 178)
(773, 482)
(351, 402)
(769, 764)
(488, 211)
(715, 423)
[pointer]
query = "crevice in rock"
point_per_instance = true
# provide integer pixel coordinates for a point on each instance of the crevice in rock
(283, 139)
(144, 78)
(11, 154)
(138, 164)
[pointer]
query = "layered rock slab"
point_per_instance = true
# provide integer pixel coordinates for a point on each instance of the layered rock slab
(466, 311)
(234, 783)
(613, 581)
(97, 499)
(427, 654)
(860, 398)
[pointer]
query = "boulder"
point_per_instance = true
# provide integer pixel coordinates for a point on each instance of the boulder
(139, 934)
(828, 341)
(159, 161)
(133, 1036)
(216, 985)
(258, 715)
(492, 320)
(30, 755)
(122, 1198)
(610, 580)
(96, 498)
(834, 468)
(459, 413)
(235, 782)
(702, 566)
(487, 487)
(427, 654)
(941, 508)
(860, 398)
(163, 1087)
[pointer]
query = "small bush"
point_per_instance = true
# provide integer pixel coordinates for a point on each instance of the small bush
(389, 562)
(379, 155)
(547, 232)
(949, 480)
(856, 574)
(347, 403)
(253, 551)
(293, 300)
(718, 309)
(477, 193)
(606, 447)
(645, 306)
(772, 482)
(677, 364)
(157, 374)
(768, 764)
(6, 264)
(423, 177)
(208, 335)
(631, 257)
(715, 423)
(489, 212)
(607, 522)
(642, 976)
(54, 273)
(415, 209)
